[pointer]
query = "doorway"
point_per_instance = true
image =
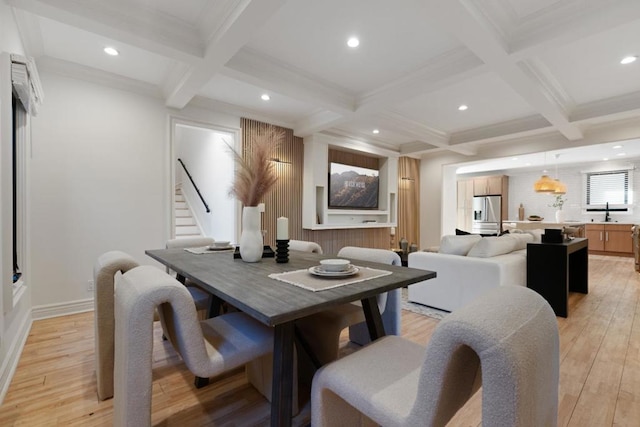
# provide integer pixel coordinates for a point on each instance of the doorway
(203, 168)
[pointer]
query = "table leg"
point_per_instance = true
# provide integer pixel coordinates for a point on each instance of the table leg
(372, 315)
(282, 388)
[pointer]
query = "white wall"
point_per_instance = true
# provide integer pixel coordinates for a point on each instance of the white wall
(100, 181)
(521, 191)
(211, 165)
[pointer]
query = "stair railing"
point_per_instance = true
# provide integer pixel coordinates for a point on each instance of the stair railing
(195, 186)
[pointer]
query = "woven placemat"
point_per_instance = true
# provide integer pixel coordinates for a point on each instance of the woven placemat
(306, 280)
(206, 250)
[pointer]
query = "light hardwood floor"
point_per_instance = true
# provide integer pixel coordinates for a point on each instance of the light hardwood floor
(599, 370)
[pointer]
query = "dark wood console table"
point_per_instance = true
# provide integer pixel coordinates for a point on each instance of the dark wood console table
(554, 269)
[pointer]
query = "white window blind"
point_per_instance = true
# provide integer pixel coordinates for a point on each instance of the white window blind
(607, 187)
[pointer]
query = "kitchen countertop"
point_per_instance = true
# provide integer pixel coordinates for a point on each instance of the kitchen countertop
(546, 222)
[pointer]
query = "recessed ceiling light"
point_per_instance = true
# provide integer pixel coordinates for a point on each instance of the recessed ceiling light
(376, 131)
(514, 158)
(605, 158)
(111, 51)
(462, 107)
(628, 60)
(621, 154)
(265, 97)
(353, 42)
(616, 147)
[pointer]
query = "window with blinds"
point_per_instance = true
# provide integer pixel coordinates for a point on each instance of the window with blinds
(612, 187)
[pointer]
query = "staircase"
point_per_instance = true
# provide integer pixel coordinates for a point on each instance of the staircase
(186, 225)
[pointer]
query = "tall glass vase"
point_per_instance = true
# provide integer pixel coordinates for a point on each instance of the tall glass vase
(251, 243)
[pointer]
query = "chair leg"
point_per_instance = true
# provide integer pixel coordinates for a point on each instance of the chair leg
(200, 382)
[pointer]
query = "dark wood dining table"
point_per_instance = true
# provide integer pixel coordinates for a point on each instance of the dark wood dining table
(277, 304)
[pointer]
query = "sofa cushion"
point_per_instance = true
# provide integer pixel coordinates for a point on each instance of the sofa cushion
(492, 246)
(458, 245)
(536, 233)
(521, 240)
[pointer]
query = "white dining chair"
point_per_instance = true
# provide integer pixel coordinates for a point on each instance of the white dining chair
(505, 341)
(104, 271)
(201, 297)
(321, 331)
(208, 348)
(305, 246)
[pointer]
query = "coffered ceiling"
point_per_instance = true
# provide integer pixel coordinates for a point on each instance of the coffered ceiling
(523, 67)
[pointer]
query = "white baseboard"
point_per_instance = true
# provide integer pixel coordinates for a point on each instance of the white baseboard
(10, 363)
(62, 309)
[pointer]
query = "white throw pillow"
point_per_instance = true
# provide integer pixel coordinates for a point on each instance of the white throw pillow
(537, 234)
(520, 240)
(458, 245)
(492, 246)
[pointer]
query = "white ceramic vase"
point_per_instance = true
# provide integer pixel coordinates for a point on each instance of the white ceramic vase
(559, 216)
(251, 243)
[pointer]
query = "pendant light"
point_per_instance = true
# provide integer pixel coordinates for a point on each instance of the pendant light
(560, 187)
(544, 184)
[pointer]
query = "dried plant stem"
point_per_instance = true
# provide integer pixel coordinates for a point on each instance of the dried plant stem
(255, 175)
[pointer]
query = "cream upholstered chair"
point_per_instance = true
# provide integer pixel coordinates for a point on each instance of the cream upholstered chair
(304, 246)
(321, 331)
(104, 272)
(209, 347)
(507, 341)
(201, 297)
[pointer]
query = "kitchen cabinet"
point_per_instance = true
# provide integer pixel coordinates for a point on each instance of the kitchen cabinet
(465, 204)
(497, 185)
(489, 185)
(614, 239)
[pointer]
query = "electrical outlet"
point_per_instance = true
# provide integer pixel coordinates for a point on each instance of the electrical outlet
(90, 285)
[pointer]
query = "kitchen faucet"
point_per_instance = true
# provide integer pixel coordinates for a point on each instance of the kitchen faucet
(607, 217)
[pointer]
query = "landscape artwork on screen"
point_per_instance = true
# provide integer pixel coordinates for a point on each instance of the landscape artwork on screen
(352, 187)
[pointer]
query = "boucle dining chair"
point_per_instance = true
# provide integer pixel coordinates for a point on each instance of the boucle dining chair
(304, 246)
(209, 347)
(506, 341)
(321, 331)
(104, 271)
(201, 297)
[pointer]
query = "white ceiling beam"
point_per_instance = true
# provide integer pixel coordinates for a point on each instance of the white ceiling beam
(262, 71)
(422, 132)
(249, 16)
(615, 108)
(442, 71)
(317, 122)
(477, 34)
(445, 70)
(136, 26)
(501, 130)
(548, 32)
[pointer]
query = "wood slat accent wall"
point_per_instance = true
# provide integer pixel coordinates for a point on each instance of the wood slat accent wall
(286, 198)
(354, 159)
(408, 200)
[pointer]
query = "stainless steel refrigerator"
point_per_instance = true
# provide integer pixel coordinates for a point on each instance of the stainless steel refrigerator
(487, 211)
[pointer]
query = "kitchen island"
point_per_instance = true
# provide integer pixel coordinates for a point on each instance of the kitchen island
(532, 225)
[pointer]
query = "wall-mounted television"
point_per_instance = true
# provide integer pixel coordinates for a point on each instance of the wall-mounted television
(352, 187)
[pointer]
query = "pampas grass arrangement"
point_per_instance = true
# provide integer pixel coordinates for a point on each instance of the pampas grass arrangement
(255, 175)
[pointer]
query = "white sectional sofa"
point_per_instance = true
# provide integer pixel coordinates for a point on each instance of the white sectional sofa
(468, 266)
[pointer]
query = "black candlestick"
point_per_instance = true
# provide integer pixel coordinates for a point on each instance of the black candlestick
(282, 251)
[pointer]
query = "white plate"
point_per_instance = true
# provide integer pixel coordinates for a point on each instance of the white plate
(318, 271)
(223, 248)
